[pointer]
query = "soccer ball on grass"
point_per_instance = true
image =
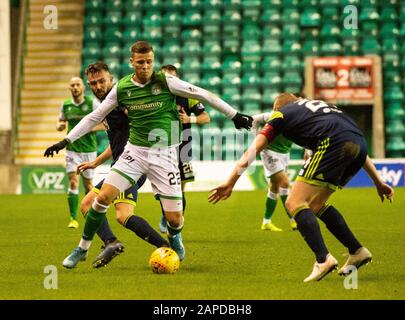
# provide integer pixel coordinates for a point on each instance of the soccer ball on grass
(164, 260)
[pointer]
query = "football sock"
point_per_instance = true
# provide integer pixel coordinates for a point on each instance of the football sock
(283, 195)
(172, 231)
(336, 224)
(184, 202)
(105, 233)
(271, 202)
(94, 219)
(144, 231)
(73, 201)
(309, 228)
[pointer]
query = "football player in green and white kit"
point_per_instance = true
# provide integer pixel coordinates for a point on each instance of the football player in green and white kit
(155, 127)
(275, 162)
(83, 149)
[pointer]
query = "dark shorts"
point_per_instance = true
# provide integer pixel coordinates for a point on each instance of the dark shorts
(186, 171)
(128, 196)
(335, 161)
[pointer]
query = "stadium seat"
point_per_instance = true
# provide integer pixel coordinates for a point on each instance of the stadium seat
(93, 34)
(152, 19)
(211, 81)
(370, 46)
(310, 17)
(111, 51)
(126, 68)
(173, 5)
(231, 64)
(310, 47)
(271, 47)
(269, 95)
(271, 80)
(133, 6)
(390, 45)
(271, 31)
(391, 61)
(394, 111)
(331, 13)
(171, 23)
(389, 30)
(192, 77)
(331, 48)
(270, 17)
(192, 18)
(231, 45)
(212, 4)
(92, 6)
(393, 94)
(395, 147)
(211, 64)
(171, 49)
(395, 127)
(291, 32)
(112, 35)
(93, 19)
(91, 51)
(251, 31)
(152, 4)
(330, 31)
(251, 79)
(231, 80)
(292, 46)
(270, 64)
(388, 14)
(131, 35)
(232, 96)
(292, 63)
(212, 23)
(191, 48)
(251, 94)
(112, 18)
(212, 48)
(251, 50)
(114, 5)
(290, 15)
(192, 4)
(191, 34)
(368, 14)
(351, 46)
(190, 64)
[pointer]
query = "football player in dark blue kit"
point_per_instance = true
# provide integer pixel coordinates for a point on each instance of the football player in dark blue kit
(100, 82)
(339, 152)
(191, 111)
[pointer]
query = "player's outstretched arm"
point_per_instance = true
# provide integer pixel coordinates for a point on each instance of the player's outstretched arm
(383, 189)
(187, 90)
(224, 191)
(103, 157)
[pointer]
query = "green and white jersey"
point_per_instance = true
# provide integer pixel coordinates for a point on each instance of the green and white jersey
(152, 112)
(73, 113)
(280, 144)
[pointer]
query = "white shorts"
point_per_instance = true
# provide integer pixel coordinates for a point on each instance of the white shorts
(73, 159)
(274, 162)
(160, 166)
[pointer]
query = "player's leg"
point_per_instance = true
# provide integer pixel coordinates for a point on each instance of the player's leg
(284, 189)
(94, 219)
(164, 176)
(124, 208)
(297, 203)
(73, 199)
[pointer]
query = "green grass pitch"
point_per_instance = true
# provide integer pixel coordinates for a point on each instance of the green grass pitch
(228, 256)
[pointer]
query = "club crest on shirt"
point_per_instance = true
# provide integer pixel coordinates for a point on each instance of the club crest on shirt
(85, 108)
(156, 89)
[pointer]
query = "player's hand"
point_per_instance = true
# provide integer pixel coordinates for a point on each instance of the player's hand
(84, 166)
(385, 191)
(221, 192)
(55, 148)
(242, 121)
(184, 118)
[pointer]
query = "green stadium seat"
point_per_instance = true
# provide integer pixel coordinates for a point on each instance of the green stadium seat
(233, 4)
(290, 3)
(389, 30)
(232, 95)
(211, 64)
(251, 50)
(93, 6)
(212, 23)
(111, 51)
(395, 147)
(270, 16)
(251, 79)
(114, 5)
(290, 15)
(291, 32)
(112, 18)
(231, 80)
(153, 4)
(172, 5)
(344, 3)
(310, 48)
(331, 48)
(114, 65)
(212, 48)
(309, 4)
(310, 33)
(271, 47)
(231, 45)
(171, 22)
(171, 49)
(251, 31)
(388, 14)
(394, 111)
(231, 64)
(190, 64)
(152, 19)
(251, 9)
(230, 18)
(250, 66)
(211, 81)
(390, 45)
(395, 127)
(112, 35)
(271, 32)
(310, 18)
(391, 61)
(93, 34)
(192, 18)
(91, 51)
(269, 95)
(192, 77)
(370, 46)
(270, 64)
(251, 94)
(191, 34)
(191, 48)
(402, 13)
(330, 31)
(350, 33)
(271, 80)
(351, 46)
(93, 19)
(292, 63)
(393, 94)
(126, 68)
(291, 78)
(292, 46)
(369, 28)
(132, 20)
(131, 35)
(212, 4)
(331, 13)
(133, 5)
(192, 4)
(369, 14)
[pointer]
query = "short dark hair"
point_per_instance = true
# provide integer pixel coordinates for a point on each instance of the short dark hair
(141, 47)
(93, 68)
(169, 67)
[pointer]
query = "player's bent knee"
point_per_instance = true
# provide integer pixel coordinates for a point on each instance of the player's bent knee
(174, 218)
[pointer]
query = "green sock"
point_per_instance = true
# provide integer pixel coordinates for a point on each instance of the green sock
(271, 203)
(94, 220)
(73, 200)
